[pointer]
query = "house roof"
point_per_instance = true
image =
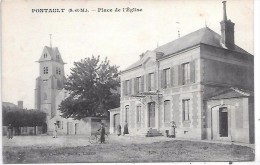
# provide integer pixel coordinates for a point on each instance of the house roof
(231, 93)
(115, 109)
(201, 36)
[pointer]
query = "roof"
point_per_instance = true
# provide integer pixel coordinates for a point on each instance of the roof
(201, 36)
(115, 109)
(53, 52)
(231, 93)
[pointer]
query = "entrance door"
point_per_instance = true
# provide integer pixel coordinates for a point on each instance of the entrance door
(76, 128)
(116, 121)
(69, 128)
(223, 122)
(151, 118)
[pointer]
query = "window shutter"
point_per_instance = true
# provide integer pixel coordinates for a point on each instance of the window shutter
(175, 77)
(142, 84)
(155, 81)
(180, 75)
(135, 85)
(146, 82)
(163, 79)
(124, 88)
(172, 76)
(130, 87)
(192, 71)
(149, 82)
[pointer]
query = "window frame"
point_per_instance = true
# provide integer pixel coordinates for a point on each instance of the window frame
(186, 109)
(186, 75)
(164, 118)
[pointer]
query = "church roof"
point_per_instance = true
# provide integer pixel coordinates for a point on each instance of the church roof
(231, 93)
(54, 53)
(201, 36)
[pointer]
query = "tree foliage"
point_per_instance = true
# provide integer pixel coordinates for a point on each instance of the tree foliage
(22, 118)
(90, 87)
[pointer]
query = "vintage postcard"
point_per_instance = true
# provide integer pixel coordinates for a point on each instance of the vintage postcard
(128, 81)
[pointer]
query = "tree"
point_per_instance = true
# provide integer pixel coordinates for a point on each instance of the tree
(90, 87)
(22, 117)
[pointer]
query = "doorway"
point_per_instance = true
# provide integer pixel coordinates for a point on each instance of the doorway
(223, 122)
(76, 128)
(116, 121)
(151, 118)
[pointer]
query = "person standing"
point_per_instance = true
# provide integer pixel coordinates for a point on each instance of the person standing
(10, 132)
(172, 132)
(102, 133)
(118, 130)
(55, 132)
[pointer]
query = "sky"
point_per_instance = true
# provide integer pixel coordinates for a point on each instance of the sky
(120, 36)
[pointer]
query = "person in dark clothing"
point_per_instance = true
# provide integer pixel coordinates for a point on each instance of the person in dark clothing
(10, 132)
(118, 130)
(102, 133)
(125, 129)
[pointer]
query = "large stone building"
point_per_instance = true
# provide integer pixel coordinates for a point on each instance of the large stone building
(202, 81)
(49, 93)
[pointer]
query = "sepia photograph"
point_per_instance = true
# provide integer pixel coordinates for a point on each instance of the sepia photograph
(128, 81)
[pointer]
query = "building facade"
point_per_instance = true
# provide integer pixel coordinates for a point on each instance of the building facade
(203, 82)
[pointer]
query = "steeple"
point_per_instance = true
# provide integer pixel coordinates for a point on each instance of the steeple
(227, 30)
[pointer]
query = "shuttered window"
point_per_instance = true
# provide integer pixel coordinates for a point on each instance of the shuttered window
(138, 85)
(138, 113)
(127, 86)
(166, 77)
(186, 109)
(167, 111)
(151, 83)
(127, 113)
(186, 73)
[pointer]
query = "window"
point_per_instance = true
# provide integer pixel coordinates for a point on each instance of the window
(186, 73)
(126, 113)
(167, 111)
(138, 114)
(127, 86)
(58, 56)
(44, 55)
(166, 74)
(151, 85)
(45, 70)
(57, 71)
(185, 105)
(138, 85)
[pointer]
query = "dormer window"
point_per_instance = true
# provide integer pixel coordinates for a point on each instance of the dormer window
(44, 55)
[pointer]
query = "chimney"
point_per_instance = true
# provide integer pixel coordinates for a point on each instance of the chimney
(227, 30)
(20, 104)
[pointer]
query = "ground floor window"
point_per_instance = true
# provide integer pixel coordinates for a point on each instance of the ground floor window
(138, 114)
(186, 109)
(126, 113)
(167, 111)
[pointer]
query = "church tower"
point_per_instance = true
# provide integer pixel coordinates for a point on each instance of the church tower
(50, 81)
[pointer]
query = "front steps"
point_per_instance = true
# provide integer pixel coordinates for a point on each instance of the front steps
(151, 133)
